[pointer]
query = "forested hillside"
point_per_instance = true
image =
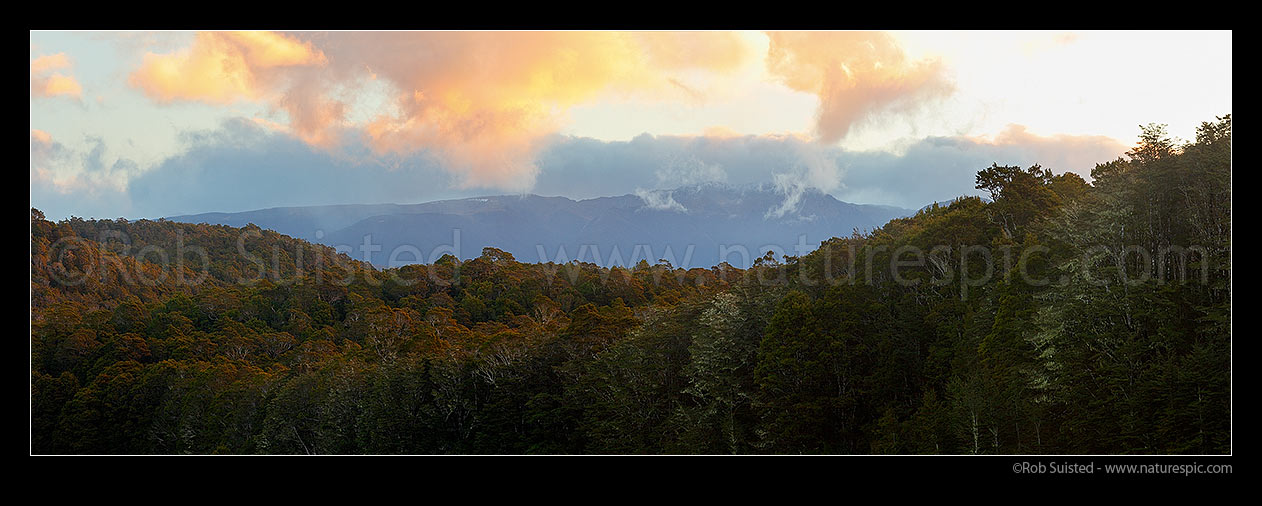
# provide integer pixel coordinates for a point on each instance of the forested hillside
(691, 226)
(1058, 317)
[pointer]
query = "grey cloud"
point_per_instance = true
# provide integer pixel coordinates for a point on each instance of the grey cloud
(929, 170)
(242, 166)
(66, 181)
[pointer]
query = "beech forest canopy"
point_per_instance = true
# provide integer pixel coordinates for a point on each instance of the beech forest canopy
(1059, 316)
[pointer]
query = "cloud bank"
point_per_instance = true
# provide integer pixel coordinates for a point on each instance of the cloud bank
(244, 165)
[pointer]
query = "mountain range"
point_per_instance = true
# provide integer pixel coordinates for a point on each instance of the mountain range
(690, 226)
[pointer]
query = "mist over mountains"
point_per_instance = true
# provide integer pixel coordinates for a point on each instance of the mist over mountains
(690, 226)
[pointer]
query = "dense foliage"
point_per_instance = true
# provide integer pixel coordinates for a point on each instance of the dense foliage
(1057, 317)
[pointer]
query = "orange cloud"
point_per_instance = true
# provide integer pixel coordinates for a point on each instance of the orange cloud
(854, 74)
(62, 85)
(41, 136)
(50, 62)
(45, 85)
(483, 102)
(222, 67)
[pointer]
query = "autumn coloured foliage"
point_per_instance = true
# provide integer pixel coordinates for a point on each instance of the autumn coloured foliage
(1053, 316)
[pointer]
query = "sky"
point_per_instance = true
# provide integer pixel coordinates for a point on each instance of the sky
(144, 125)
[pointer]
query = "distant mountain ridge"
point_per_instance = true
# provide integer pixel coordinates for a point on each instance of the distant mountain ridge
(690, 226)
(948, 202)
